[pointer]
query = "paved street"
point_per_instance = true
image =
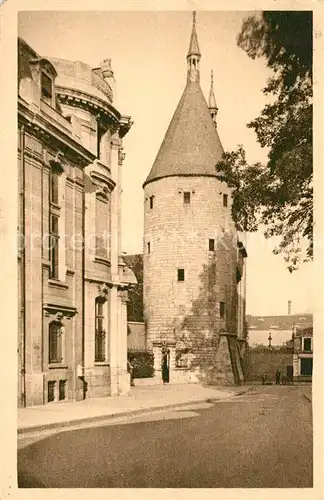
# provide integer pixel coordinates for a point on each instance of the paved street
(261, 439)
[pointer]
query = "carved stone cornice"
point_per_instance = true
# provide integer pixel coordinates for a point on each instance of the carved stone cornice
(103, 292)
(77, 98)
(103, 185)
(50, 133)
(59, 311)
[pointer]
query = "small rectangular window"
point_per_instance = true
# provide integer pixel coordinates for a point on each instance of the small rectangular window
(149, 247)
(307, 344)
(222, 309)
(211, 245)
(46, 83)
(51, 390)
(151, 201)
(186, 197)
(181, 275)
(225, 200)
(62, 385)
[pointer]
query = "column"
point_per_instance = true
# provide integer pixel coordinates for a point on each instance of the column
(115, 209)
(113, 340)
(124, 376)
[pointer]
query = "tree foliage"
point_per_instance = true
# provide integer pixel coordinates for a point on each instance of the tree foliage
(279, 194)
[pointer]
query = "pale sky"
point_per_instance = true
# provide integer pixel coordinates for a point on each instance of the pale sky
(148, 52)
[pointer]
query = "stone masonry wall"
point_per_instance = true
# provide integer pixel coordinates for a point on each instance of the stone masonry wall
(178, 233)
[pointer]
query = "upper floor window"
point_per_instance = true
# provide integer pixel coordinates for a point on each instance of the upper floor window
(148, 247)
(54, 187)
(102, 226)
(225, 200)
(211, 245)
(54, 246)
(186, 197)
(151, 201)
(307, 344)
(222, 309)
(46, 87)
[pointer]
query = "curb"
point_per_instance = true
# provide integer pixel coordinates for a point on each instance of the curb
(309, 399)
(101, 418)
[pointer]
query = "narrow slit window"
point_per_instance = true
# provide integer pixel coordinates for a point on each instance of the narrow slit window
(222, 309)
(225, 200)
(211, 245)
(181, 274)
(151, 202)
(149, 247)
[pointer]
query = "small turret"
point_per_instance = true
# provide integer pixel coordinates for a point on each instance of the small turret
(194, 55)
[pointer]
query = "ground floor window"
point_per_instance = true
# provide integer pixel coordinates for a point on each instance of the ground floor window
(100, 334)
(55, 342)
(306, 366)
(51, 390)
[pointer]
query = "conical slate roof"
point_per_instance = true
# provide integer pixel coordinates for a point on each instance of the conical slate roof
(191, 145)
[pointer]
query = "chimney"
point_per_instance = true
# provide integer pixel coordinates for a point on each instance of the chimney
(289, 307)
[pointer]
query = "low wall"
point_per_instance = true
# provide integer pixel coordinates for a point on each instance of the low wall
(259, 361)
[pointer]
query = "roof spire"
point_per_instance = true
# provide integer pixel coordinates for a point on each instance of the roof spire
(193, 56)
(212, 101)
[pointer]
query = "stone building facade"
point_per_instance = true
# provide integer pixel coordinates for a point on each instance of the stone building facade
(73, 283)
(194, 273)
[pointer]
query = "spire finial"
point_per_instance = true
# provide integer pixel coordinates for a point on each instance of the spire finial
(212, 101)
(193, 56)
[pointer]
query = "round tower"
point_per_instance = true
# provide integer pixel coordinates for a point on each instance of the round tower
(190, 245)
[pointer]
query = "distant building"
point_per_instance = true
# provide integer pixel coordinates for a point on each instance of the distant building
(278, 328)
(303, 354)
(194, 272)
(73, 282)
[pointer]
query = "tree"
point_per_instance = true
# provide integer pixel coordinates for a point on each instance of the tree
(279, 194)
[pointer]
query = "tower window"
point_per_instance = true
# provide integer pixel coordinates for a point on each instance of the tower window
(151, 201)
(186, 197)
(211, 245)
(54, 247)
(225, 200)
(149, 247)
(222, 309)
(181, 275)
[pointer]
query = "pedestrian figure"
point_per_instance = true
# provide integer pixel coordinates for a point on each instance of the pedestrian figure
(165, 365)
(278, 377)
(130, 370)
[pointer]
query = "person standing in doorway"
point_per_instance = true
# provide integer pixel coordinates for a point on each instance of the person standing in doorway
(165, 365)
(278, 375)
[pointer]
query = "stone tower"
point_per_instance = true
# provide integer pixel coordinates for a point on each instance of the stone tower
(192, 261)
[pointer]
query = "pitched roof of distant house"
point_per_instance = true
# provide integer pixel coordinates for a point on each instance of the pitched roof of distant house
(279, 322)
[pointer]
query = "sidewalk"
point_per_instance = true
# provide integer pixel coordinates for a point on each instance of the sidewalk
(141, 399)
